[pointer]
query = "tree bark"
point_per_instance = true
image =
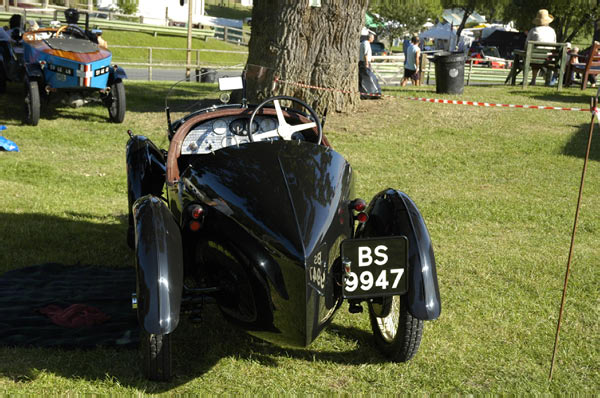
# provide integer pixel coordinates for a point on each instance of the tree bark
(296, 43)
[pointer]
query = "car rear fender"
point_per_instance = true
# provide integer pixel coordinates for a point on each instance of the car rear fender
(159, 265)
(145, 170)
(116, 74)
(393, 213)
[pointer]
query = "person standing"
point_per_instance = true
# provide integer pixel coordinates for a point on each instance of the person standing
(368, 85)
(541, 32)
(405, 45)
(412, 64)
(365, 51)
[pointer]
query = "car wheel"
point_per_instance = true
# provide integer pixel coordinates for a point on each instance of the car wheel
(2, 80)
(397, 333)
(156, 353)
(116, 106)
(32, 103)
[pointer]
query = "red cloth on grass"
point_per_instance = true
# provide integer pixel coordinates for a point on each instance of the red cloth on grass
(75, 315)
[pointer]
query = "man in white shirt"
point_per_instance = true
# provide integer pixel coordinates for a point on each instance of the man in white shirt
(365, 52)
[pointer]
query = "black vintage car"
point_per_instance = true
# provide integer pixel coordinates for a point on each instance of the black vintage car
(252, 205)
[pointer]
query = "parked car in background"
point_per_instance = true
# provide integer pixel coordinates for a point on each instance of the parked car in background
(378, 48)
(67, 64)
(486, 55)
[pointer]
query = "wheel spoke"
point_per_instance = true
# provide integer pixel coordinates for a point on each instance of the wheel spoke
(279, 112)
(389, 325)
(299, 127)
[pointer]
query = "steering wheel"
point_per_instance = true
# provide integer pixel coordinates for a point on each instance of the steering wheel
(285, 130)
(74, 28)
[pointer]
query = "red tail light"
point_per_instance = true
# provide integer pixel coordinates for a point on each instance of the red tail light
(196, 213)
(358, 204)
(362, 217)
(195, 226)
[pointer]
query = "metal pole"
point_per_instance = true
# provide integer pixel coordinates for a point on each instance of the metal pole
(90, 5)
(188, 57)
(564, 294)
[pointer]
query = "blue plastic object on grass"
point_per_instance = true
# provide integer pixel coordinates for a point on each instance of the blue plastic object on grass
(6, 144)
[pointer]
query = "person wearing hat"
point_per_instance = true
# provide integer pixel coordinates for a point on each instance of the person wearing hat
(541, 32)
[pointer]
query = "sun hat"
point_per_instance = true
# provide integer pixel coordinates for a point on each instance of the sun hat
(543, 18)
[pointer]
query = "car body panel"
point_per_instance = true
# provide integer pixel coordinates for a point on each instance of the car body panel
(159, 266)
(69, 69)
(303, 218)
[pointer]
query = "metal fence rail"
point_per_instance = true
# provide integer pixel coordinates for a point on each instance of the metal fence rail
(121, 25)
(390, 70)
(197, 66)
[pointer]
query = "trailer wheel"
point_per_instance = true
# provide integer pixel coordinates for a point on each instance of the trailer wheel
(397, 333)
(116, 103)
(156, 354)
(32, 102)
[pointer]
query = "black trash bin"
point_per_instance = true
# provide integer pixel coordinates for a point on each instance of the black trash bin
(208, 75)
(449, 72)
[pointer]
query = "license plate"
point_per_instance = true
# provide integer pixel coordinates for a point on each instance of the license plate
(377, 267)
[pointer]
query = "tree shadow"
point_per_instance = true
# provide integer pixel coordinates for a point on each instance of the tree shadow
(183, 97)
(577, 144)
(567, 97)
(38, 238)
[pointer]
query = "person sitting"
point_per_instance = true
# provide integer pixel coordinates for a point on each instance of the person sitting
(541, 32)
(72, 18)
(15, 28)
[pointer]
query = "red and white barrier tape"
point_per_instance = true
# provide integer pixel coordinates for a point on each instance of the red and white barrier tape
(492, 105)
(441, 101)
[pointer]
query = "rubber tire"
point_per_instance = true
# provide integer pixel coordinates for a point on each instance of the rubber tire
(2, 80)
(156, 356)
(116, 109)
(404, 344)
(32, 103)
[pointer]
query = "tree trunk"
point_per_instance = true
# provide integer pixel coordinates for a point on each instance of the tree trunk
(296, 43)
(467, 11)
(597, 24)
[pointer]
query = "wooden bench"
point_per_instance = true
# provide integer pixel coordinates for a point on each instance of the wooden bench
(538, 55)
(589, 66)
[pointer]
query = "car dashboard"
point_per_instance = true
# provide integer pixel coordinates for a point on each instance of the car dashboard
(215, 134)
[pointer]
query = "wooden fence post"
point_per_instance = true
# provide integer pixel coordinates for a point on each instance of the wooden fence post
(470, 71)
(150, 63)
(197, 66)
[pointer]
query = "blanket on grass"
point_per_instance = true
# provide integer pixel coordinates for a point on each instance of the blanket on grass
(54, 305)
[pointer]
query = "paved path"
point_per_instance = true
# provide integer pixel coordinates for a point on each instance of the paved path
(170, 74)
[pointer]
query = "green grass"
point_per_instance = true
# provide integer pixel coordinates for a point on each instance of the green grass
(497, 188)
(223, 10)
(171, 56)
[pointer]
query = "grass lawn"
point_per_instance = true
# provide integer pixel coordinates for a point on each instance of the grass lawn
(497, 188)
(140, 55)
